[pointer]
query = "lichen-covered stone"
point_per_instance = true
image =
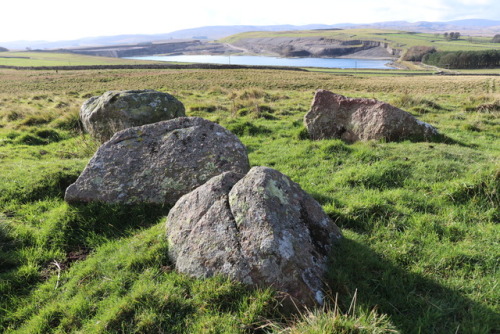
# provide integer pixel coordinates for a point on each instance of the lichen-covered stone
(158, 163)
(353, 119)
(261, 229)
(113, 111)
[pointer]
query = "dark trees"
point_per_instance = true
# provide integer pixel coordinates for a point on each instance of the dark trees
(464, 59)
(451, 35)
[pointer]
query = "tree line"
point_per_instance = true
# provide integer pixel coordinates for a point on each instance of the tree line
(463, 59)
(451, 35)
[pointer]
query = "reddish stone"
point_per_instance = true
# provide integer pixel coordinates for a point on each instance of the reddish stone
(353, 119)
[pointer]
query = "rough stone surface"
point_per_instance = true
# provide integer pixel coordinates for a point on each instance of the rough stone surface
(113, 111)
(354, 119)
(261, 229)
(158, 163)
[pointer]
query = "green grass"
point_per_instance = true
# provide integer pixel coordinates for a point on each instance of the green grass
(26, 59)
(370, 72)
(420, 220)
(396, 39)
(413, 70)
(481, 71)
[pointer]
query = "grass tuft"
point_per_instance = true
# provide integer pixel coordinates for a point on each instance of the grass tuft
(246, 128)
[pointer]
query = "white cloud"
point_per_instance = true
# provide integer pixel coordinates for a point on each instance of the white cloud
(475, 2)
(62, 19)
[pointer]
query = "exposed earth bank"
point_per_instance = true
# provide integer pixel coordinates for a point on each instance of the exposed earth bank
(274, 46)
(317, 47)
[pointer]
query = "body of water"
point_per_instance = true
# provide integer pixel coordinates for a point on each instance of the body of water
(274, 61)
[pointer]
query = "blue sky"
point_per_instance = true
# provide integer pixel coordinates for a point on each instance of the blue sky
(62, 19)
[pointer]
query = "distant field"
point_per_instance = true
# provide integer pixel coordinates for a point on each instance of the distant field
(61, 59)
(39, 59)
(397, 39)
(481, 71)
(372, 72)
(409, 72)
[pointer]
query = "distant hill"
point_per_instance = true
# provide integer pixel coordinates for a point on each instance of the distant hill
(88, 41)
(475, 23)
(473, 27)
(208, 32)
(465, 27)
(217, 32)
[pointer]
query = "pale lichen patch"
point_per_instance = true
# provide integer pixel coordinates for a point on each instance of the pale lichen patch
(273, 190)
(285, 247)
(98, 180)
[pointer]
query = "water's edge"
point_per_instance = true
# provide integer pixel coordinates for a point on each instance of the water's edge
(274, 61)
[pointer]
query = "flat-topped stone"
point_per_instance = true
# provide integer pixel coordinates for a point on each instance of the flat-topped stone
(158, 163)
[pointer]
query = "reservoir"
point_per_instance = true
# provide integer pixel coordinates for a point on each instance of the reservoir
(275, 61)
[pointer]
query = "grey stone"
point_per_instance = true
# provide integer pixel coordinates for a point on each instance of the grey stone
(353, 119)
(261, 229)
(113, 111)
(158, 163)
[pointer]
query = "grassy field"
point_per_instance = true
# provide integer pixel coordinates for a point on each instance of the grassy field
(397, 39)
(409, 72)
(40, 59)
(61, 59)
(421, 220)
(370, 72)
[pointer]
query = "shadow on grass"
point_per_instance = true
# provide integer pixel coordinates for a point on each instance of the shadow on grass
(444, 139)
(8, 263)
(365, 219)
(109, 221)
(323, 199)
(438, 139)
(414, 303)
(32, 189)
(7, 244)
(79, 230)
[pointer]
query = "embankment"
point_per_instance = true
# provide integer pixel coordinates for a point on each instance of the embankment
(316, 47)
(173, 47)
(278, 46)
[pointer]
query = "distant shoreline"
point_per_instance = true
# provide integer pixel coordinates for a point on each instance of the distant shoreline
(261, 60)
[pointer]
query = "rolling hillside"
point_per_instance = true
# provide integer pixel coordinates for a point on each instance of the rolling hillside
(473, 27)
(299, 43)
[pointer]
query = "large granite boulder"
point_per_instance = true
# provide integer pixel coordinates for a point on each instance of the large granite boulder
(354, 119)
(261, 229)
(158, 163)
(113, 111)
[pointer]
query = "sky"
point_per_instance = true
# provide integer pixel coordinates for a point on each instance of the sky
(53, 20)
